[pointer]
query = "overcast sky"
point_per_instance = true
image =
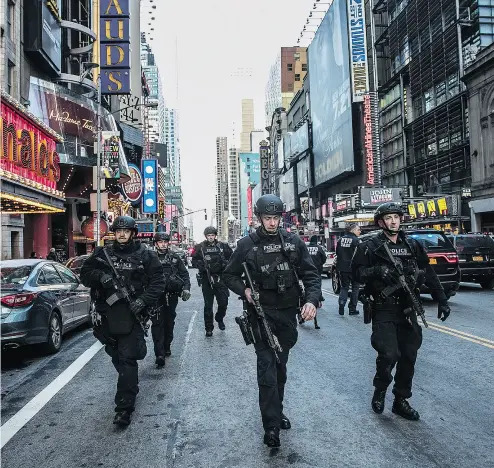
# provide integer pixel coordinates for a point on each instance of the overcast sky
(225, 49)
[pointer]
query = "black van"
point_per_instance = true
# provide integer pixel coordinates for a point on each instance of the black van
(476, 254)
(442, 256)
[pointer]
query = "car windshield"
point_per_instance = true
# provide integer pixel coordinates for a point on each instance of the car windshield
(432, 240)
(474, 242)
(15, 276)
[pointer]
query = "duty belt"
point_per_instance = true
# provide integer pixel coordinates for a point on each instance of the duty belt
(388, 300)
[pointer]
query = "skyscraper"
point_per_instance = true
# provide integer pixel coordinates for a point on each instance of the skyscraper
(247, 124)
(234, 192)
(222, 197)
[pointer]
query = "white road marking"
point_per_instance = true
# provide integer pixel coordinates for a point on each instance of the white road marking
(33, 407)
(187, 338)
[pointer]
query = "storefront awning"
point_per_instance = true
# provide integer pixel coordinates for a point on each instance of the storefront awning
(16, 204)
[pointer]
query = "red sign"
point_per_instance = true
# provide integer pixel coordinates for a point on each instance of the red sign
(87, 227)
(26, 150)
(249, 205)
(132, 189)
(369, 149)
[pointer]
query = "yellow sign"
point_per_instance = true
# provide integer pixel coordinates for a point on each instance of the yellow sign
(411, 211)
(442, 206)
(421, 209)
(431, 207)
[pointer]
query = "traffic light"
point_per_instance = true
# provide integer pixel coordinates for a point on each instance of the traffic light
(205, 214)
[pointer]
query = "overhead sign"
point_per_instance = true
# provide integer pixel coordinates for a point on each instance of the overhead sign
(373, 197)
(358, 49)
(264, 160)
(150, 195)
(432, 208)
(132, 190)
(115, 47)
(110, 154)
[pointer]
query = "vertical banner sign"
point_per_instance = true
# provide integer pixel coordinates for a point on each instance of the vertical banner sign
(115, 47)
(161, 208)
(150, 196)
(264, 160)
(368, 141)
(111, 147)
(249, 205)
(358, 49)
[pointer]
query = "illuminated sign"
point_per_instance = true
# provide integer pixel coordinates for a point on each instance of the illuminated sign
(249, 205)
(132, 189)
(264, 161)
(150, 195)
(369, 149)
(411, 211)
(370, 197)
(26, 150)
(111, 152)
(115, 46)
(358, 49)
(431, 207)
(421, 209)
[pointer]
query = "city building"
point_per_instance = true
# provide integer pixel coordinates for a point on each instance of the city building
(247, 124)
(249, 170)
(256, 136)
(286, 77)
(234, 193)
(222, 189)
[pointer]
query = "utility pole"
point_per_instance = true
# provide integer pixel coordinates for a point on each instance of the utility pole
(98, 166)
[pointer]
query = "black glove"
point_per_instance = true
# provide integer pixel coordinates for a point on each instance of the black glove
(386, 274)
(106, 281)
(443, 311)
(137, 306)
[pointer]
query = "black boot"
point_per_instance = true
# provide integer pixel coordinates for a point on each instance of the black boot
(354, 312)
(402, 408)
(272, 437)
(378, 400)
(221, 325)
(122, 418)
(341, 310)
(209, 333)
(168, 352)
(316, 325)
(285, 422)
(160, 361)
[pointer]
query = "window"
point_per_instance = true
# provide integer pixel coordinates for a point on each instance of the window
(290, 86)
(66, 274)
(297, 77)
(296, 56)
(289, 66)
(440, 93)
(10, 77)
(429, 99)
(11, 20)
(49, 275)
(304, 67)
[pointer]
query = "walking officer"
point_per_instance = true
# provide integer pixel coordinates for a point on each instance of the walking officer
(276, 260)
(125, 279)
(211, 257)
(177, 283)
(345, 248)
(319, 258)
(396, 335)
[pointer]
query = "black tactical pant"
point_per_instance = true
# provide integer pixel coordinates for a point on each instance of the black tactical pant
(124, 355)
(220, 291)
(346, 281)
(396, 343)
(271, 375)
(163, 324)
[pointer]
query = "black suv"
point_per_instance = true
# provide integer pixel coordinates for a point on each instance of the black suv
(442, 256)
(476, 254)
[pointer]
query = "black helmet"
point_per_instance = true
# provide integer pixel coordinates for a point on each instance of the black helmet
(387, 208)
(161, 236)
(124, 222)
(210, 230)
(268, 204)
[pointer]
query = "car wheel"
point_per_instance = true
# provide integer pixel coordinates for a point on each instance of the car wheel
(335, 280)
(54, 342)
(487, 284)
(450, 293)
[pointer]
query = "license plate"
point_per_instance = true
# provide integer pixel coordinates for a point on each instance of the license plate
(432, 261)
(478, 259)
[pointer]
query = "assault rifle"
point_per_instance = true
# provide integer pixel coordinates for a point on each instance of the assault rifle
(417, 306)
(122, 292)
(206, 267)
(273, 342)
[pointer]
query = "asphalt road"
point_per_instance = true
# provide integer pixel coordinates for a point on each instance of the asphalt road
(202, 409)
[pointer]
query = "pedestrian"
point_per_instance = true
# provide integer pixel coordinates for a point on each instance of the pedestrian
(396, 335)
(177, 281)
(276, 260)
(120, 324)
(345, 248)
(52, 255)
(319, 258)
(211, 257)
(33, 255)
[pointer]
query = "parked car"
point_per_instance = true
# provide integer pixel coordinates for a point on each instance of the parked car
(442, 256)
(41, 300)
(476, 255)
(75, 263)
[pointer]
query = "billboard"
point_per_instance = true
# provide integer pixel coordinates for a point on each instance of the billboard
(150, 195)
(373, 197)
(358, 49)
(330, 96)
(303, 175)
(287, 190)
(132, 189)
(110, 152)
(297, 142)
(115, 47)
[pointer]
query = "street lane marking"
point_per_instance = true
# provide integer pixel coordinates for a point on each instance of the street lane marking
(33, 407)
(451, 331)
(187, 338)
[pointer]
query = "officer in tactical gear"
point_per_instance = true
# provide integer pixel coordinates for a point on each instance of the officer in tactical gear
(276, 260)
(396, 335)
(345, 248)
(122, 323)
(211, 257)
(177, 284)
(319, 258)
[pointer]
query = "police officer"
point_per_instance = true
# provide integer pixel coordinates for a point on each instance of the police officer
(319, 258)
(396, 335)
(121, 332)
(276, 260)
(177, 283)
(345, 248)
(211, 257)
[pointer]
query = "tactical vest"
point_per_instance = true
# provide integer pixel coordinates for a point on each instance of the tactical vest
(174, 283)
(130, 266)
(215, 258)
